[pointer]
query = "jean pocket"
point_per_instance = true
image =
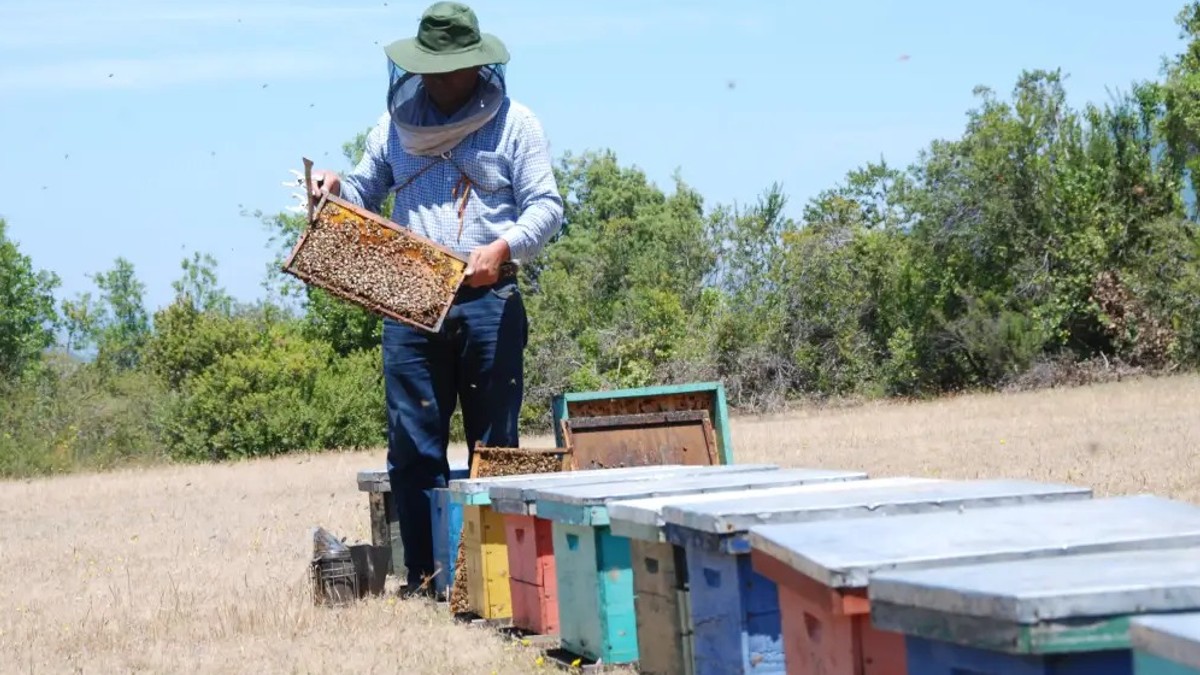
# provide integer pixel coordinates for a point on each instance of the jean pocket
(505, 290)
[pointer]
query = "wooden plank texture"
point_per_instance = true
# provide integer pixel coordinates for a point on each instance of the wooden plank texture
(706, 396)
(532, 575)
(663, 640)
(595, 582)
(684, 437)
(488, 593)
(575, 553)
(827, 631)
(644, 522)
(735, 614)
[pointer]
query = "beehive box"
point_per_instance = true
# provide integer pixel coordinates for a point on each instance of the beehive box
(496, 462)
(1066, 614)
(370, 261)
(480, 584)
(678, 437)
(675, 398)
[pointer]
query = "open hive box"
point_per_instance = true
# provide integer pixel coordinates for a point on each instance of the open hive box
(646, 439)
(671, 424)
(370, 261)
(495, 462)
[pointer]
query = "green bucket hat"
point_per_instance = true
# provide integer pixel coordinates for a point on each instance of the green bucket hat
(448, 39)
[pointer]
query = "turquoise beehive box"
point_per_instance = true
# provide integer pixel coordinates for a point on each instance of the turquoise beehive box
(697, 396)
(1166, 645)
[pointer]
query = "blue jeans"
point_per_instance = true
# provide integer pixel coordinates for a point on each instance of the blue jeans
(476, 360)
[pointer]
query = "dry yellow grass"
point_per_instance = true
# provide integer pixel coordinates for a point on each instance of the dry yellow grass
(203, 569)
(1119, 438)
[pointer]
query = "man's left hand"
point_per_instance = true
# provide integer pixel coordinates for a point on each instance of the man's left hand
(483, 267)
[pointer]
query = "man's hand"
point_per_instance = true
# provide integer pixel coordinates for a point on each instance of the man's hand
(325, 181)
(483, 267)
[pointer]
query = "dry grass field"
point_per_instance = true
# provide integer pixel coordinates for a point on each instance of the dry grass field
(202, 569)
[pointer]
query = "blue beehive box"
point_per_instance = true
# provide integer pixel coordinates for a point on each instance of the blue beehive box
(447, 529)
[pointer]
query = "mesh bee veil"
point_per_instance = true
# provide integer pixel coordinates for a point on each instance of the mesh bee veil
(425, 132)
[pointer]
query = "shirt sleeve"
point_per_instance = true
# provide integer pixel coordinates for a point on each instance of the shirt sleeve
(368, 183)
(535, 191)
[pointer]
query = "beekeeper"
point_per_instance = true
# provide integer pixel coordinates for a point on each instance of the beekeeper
(469, 169)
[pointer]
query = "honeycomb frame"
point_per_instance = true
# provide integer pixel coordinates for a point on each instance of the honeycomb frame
(367, 231)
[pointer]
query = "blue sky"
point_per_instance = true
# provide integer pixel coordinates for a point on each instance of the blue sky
(158, 160)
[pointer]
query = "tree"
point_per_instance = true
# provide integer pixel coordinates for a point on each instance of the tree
(1181, 123)
(28, 321)
(199, 286)
(121, 326)
(81, 317)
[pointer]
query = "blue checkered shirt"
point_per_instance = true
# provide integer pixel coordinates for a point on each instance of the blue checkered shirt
(513, 191)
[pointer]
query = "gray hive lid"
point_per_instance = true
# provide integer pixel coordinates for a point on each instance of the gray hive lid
(544, 491)
(1049, 589)
(482, 485)
(740, 512)
(595, 495)
(649, 511)
(842, 556)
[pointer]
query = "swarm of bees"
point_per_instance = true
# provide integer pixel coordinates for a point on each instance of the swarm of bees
(357, 256)
(520, 461)
(459, 603)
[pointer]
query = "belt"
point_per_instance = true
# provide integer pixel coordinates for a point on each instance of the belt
(507, 271)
